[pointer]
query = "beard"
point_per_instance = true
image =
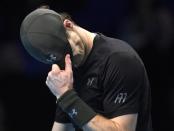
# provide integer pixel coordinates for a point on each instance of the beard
(78, 60)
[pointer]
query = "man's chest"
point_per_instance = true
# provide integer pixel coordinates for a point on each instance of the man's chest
(89, 88)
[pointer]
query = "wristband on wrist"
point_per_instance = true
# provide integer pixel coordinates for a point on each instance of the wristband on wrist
(61, 116)
(78, 110)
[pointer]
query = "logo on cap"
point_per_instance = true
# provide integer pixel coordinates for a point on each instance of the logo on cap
(51, 59)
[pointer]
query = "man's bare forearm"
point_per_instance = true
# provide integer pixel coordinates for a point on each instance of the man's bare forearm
(99, 123)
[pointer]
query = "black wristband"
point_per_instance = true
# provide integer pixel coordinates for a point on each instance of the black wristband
(61, 116)
(78, 110)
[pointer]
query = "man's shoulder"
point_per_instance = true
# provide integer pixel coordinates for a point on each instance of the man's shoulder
(109, 45)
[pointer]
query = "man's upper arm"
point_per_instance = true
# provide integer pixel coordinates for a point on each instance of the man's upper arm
(62, 127)
(123, 84)
(127, 122)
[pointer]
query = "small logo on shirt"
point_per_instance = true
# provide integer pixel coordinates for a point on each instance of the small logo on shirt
(73, 113)
(92, 82)
(121, 98)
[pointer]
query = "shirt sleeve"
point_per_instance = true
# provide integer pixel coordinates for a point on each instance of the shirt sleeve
(122, 83)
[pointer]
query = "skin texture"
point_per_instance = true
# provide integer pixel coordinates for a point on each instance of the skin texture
(59, 81)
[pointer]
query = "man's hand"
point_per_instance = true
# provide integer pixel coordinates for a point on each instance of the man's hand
(59, 81)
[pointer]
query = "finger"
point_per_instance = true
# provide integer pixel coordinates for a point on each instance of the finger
(47, 81)
(51, 87)
(68, 65)
(48, 78)
(55, 67)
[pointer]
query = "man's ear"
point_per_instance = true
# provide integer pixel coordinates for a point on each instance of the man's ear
(68, 24)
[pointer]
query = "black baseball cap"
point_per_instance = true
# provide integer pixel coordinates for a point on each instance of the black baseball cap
(44, 37)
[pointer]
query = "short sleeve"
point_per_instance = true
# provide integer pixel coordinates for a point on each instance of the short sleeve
(122, 84)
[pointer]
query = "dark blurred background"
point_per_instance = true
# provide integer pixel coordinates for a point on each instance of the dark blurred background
(26, 104)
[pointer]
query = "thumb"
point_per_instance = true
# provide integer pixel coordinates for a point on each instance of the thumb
(68, 65)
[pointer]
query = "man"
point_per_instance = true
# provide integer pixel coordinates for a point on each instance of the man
(104, 88)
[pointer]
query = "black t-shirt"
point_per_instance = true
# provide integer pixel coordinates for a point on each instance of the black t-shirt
(113, 82)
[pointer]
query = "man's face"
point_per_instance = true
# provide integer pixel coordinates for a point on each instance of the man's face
(78, 47)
